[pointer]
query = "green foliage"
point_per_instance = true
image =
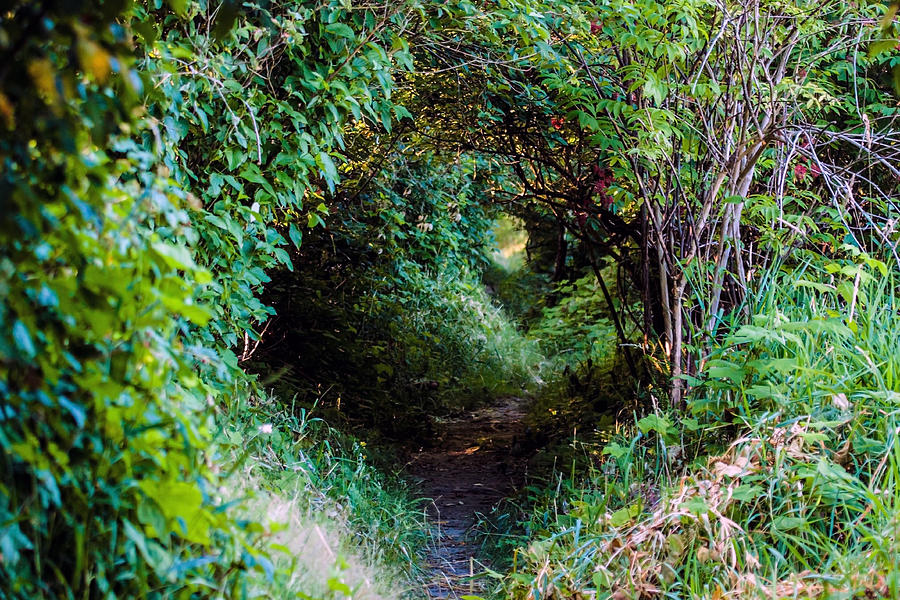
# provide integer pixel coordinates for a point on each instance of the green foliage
(105, 490)
(518, 292)
(455, 335)
(424, 209)
(818, 331)
(175, 172)
(137, 226)
(395, 347)
(782, 476)
(589, 378)
(577, 328)
(780, 284)
(386, 310)
(253, 125)
(622, 125)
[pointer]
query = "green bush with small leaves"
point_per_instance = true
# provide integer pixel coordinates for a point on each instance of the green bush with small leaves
(136, 229)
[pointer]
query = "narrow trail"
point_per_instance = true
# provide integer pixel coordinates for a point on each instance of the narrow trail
(476, 461)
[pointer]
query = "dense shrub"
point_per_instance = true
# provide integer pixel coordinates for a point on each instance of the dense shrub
(163, 161)
(383, 318)
(105, 490)
(389, 351)
(128, 277)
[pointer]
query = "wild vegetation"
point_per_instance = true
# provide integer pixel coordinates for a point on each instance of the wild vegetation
(252, 252)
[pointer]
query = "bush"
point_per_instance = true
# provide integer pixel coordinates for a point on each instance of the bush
(104, 487)
(383, 314)
(457, 337)
(391, 351)
(126, 285)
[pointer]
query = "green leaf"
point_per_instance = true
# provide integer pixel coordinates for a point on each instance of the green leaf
(620, 517)
(23, 339)
(725, 370)
(747, 493)
(696, 505)
(199, 315)
(149, 514)
(656, 423)
(336, 585)
(177, 257)
(179, 7)
(182, 505)
(384, 369)
(401, 113)
(889, 15)
(323, 160)
(147, 30)
(785, 523)
(295, 235)
(615, 450)
(340, 30)
(284, 258)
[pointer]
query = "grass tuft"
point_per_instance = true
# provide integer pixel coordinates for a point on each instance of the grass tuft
(338, 525)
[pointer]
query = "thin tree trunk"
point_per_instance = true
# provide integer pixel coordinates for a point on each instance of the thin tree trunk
(678, 386)
(645, 277)
(620, 331)
(562, 249)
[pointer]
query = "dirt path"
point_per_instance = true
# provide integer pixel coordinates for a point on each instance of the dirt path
(475, 462)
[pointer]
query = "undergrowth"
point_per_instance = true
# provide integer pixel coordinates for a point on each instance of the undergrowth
(388, 353)
(780, 479)
(337, 523)
(459, 338)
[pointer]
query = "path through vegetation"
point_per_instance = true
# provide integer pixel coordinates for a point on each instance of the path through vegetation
(476, 460)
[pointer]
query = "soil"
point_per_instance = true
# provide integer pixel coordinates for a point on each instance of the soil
(475, 461)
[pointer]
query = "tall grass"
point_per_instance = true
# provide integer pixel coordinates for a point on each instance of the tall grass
(455, 335)
(339, 525)
(779, 481)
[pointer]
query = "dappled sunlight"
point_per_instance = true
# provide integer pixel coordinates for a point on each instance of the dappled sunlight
(511, 240)
(318, 545)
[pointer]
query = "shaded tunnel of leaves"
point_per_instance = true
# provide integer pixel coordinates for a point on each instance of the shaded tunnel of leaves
(165, 163)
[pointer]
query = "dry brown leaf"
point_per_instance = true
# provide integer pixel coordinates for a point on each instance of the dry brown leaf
(842, 456)
(724, 470)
